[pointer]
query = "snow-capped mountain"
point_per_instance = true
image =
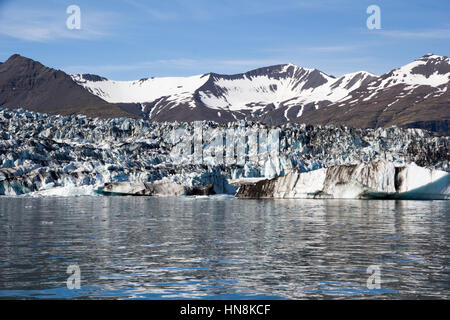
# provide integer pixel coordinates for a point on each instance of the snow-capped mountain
(414, 95)
(285, 88)
(29, 84)
(429, 70)
(254, 94)
(140, 91)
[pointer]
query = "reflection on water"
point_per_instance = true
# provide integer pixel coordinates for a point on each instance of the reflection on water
(221, 247)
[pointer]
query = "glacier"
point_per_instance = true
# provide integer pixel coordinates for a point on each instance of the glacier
(43, 154)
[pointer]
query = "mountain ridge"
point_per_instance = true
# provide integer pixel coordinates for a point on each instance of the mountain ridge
(27, 83)
(413, 95)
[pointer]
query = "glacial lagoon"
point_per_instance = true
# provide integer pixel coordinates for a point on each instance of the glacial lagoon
(220, 247)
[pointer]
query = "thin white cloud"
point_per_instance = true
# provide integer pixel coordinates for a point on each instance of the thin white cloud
(207, 10)
(250, 62)
(318, 49)
(155, 14)
(48, 25)
(188, 67)
(208, 65)
(417, 34)
(341, 48)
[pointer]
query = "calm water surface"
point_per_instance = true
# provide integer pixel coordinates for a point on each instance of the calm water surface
(222, 248)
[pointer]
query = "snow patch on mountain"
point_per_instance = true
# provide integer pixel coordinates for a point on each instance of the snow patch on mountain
(293, 86)
(274, 94)
(284, 85)
(144, 90)
(429, 70)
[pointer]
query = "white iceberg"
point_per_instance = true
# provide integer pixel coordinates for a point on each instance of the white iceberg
(367, 180)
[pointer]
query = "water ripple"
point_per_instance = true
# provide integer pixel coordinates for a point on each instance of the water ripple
(223, 248)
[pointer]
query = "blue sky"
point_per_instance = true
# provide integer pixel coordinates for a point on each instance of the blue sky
(133, 39)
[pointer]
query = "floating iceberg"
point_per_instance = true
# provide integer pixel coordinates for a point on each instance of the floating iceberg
(68, 191)
(371, 180)
(163, 187)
